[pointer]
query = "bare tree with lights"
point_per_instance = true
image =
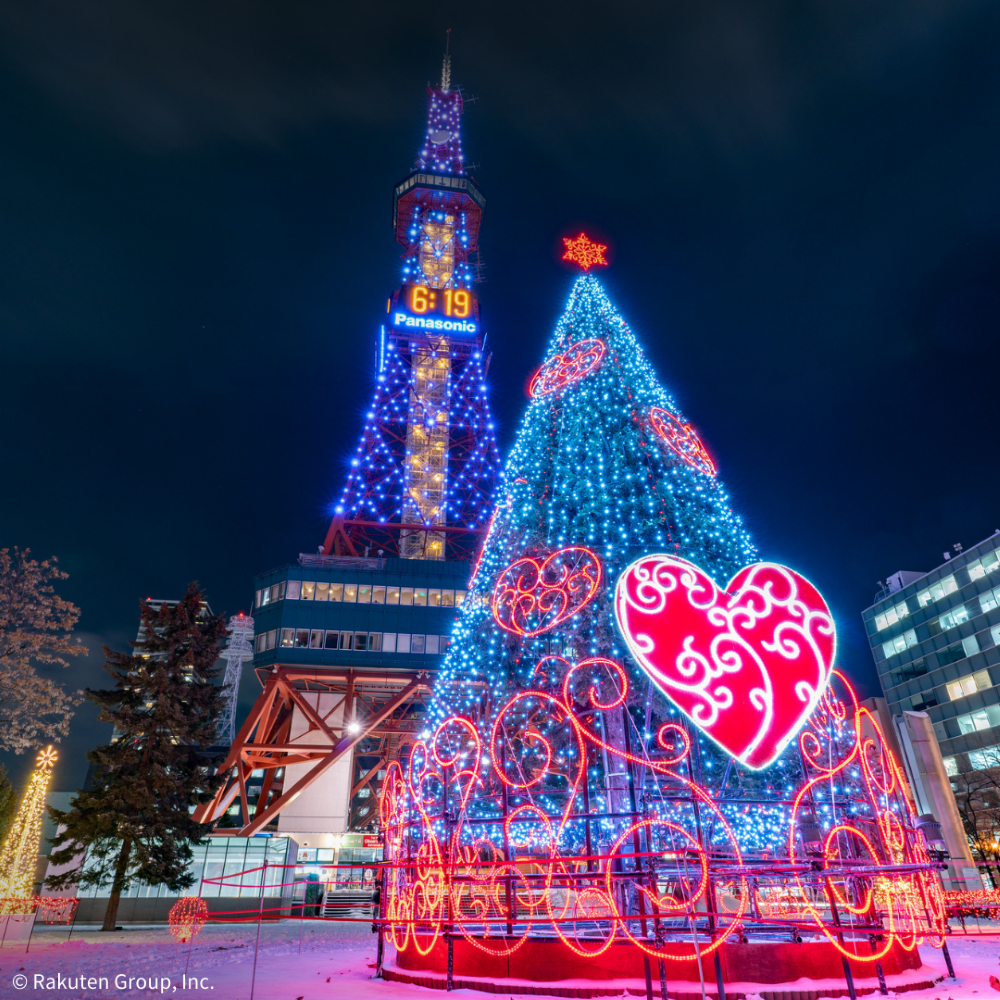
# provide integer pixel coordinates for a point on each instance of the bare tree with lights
(134, 824)
(36, 627)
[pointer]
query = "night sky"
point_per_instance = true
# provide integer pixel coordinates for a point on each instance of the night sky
(802, 199)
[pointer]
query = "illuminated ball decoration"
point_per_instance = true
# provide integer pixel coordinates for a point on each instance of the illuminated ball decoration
(682, 440)
(579, 359)
(532, 597)
(614, 737)
(187, 917)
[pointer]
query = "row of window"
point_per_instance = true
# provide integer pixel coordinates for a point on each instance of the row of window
(359, 593)
(979, 760)
(982, 718)
(964, 686)
(368, 642)
(977, 569)
(966, 647)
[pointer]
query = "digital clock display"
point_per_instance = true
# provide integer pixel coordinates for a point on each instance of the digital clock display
(450, 310)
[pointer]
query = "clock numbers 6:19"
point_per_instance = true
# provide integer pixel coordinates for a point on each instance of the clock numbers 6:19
(457, 302)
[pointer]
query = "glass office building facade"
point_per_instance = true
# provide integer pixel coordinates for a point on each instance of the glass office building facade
(935, 638)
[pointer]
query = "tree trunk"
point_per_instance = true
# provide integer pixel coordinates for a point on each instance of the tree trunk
(111, 914)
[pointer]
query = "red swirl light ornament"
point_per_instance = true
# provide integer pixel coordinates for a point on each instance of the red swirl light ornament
(578, 360)
(532, 597)
(682, 440)
(747, 665)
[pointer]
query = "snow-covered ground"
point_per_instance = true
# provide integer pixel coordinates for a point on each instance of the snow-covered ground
(336, 963)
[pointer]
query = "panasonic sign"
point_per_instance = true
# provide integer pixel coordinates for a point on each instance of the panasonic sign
(402, 319)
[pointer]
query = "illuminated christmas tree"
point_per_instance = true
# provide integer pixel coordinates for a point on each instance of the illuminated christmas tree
(638, 732)
(20, 849)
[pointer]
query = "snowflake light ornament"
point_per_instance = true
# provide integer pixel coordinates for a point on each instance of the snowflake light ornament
(585, 252)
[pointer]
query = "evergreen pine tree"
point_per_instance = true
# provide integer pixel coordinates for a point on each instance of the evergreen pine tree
(135, 823)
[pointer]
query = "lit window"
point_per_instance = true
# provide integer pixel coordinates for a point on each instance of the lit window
(365, 594)
(294, 588)
(378, 595)
(288, 637)
(978, 568)
(350, 593)
(901, 642)
(964, 686)
(392, 595)
(936, 591)
(322, 591)
(447, 598)
(950, 766)
(891, 615)
(308, 590)
(974, 722)
(420, 596)
(336, 591)
(970, 645)
(405, 595)
(265, 596)
(983, 760)
(954, 617)
(459, 598)
(257, 599)
(988, 601)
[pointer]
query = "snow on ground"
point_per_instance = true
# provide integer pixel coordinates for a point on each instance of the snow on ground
(336, 963)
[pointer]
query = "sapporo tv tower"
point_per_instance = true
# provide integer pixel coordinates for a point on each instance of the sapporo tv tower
(348, 639)
(425, 471)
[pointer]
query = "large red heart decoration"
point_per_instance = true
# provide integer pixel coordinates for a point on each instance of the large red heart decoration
(747, 665)
(580, 359)
(532, 597)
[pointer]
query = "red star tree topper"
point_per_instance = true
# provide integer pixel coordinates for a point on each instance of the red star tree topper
(585, 252)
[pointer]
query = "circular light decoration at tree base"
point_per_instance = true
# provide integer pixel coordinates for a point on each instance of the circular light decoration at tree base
(682, 440)
(472, 853)
(574, 363)
(553, 969)
(187, 917)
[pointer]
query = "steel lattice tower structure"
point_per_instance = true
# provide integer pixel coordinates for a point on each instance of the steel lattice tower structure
(425, 472)
(239, 650)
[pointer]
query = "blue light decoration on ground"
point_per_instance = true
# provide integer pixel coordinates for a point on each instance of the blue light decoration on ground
(562, 786)
(426, 469)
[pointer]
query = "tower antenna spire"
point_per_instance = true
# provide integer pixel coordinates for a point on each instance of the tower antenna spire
(446, 63)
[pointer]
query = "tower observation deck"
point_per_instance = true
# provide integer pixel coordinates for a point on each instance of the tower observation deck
(426, 468)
